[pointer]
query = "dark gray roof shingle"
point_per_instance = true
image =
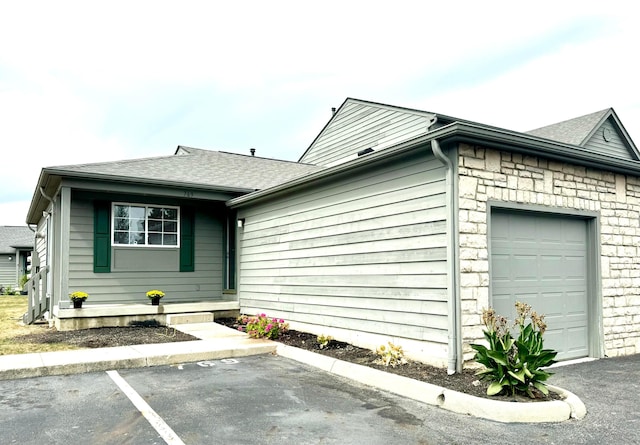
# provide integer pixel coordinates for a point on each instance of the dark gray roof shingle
(12, 237)
(201, 167)
(573, 131)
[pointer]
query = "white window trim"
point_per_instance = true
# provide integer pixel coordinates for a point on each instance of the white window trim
(146, 226)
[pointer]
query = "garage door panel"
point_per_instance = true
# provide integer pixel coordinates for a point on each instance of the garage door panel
(546, 304)
(541, 260)
(575, 340)
(575, 267)
(554, 339)
(522, 232)
(521, 267)
(576, 303)
(502, 267)
(549, 266)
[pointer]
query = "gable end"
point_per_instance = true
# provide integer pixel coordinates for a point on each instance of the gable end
(607, 139)
(360, 125)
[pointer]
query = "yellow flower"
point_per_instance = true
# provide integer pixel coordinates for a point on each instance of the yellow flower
(77, 295)
(155, 293)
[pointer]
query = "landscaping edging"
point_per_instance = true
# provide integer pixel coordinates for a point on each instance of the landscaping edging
(571, 407)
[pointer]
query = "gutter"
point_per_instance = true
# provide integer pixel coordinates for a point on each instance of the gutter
(453, 305)
(48, 198)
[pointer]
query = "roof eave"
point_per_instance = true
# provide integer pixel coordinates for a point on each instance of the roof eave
(54, 176)
(71, 174)
(468, 132)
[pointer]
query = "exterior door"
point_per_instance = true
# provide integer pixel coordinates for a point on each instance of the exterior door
(541, 259)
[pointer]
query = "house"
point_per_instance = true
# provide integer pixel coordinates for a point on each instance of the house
(116, 230)
(16, 244)
(395, 225)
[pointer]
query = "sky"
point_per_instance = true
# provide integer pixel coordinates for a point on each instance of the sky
(102, 81)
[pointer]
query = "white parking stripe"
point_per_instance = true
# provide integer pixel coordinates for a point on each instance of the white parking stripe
(165, 431)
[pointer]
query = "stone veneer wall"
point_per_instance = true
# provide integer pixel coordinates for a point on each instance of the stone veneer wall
(486, 174)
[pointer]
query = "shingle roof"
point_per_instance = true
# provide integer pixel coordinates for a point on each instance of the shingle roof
(12, 237)
(201, 167)
(573, 131)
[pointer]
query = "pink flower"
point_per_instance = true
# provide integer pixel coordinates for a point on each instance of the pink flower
(269, 327)
(281, 320)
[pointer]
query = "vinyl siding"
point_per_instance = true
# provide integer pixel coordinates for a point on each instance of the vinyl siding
(40, 257)
(130, 285)
(8, 271)
(615, 146)
(358, 126)
(367, 253)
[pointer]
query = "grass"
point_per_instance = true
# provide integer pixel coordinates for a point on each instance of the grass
(11, 310)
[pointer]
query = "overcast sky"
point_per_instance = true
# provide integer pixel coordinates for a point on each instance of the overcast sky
(104, 81)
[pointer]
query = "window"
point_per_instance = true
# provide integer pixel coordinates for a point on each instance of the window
(141, 225)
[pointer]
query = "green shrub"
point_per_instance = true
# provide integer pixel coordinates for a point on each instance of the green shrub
(324, 340)
(390, 355)
(514, 365)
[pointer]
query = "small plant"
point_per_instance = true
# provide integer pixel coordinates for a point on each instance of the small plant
(78, 296)
(512, 364)
(390, 355)
(261, 326)
(23, 281)
(155, 293)
(324, 340)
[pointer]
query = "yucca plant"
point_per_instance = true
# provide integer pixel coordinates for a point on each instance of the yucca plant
(514, 364)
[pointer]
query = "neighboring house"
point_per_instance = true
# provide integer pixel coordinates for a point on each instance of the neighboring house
(397, 225)
(16, 244)
(116, 230)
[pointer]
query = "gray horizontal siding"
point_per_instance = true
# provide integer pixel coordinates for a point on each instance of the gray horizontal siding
(359, 126)
(130, 286)
(8, 271)
(367, 253)
(616, 146)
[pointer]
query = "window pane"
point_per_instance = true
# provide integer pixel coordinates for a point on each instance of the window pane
(121, 238)
(170, 240)
(155, 225)
(154, 213)
(137, 225)
(155, 239)
(136, 237)
(121, 224)
(170, 226)
(121, 211)
(171, 214)
(136, 212)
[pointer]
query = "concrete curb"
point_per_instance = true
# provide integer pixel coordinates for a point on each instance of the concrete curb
(227, 343)
(506, 412)
(22, 366)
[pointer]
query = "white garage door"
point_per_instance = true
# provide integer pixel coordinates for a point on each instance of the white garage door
(541, 259)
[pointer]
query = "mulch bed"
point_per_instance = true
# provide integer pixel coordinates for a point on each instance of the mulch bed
(140, 333)
(466, 381)
(150, 332)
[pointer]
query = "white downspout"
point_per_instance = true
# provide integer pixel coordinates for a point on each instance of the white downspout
(453, 306)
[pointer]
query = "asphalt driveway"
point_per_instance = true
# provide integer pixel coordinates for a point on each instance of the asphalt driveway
(270, 399)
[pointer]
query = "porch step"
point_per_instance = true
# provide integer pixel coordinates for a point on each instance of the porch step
(189, 318)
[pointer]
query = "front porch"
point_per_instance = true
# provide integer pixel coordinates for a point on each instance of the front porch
(110, 315)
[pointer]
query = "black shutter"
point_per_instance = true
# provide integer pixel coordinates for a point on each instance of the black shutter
(187, 239)
(101, 237)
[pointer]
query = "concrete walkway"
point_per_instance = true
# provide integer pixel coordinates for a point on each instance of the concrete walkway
(217, 341)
